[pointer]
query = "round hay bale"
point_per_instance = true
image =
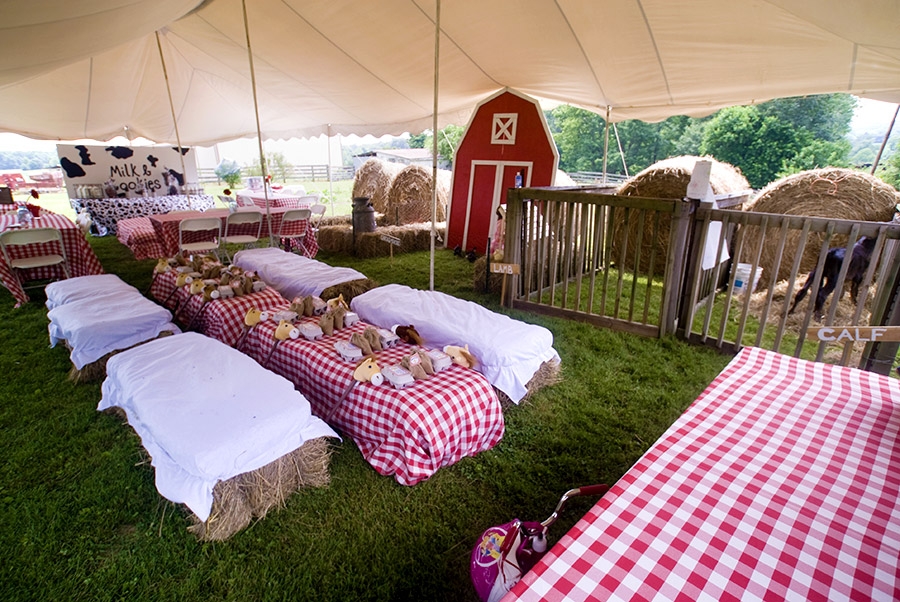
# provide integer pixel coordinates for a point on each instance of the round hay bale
(831, 192)
(409, 200)
(563, 179)
(667, 179)
(373, 179)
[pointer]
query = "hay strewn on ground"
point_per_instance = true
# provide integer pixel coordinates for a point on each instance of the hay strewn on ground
(373, 180)
(844, 315)
(252, 494)
(667, 179)
(478, 279)
(409, 199)
(831, 192)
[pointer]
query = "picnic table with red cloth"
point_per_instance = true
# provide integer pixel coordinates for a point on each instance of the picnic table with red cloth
(138, 234)
(276, 199)
(780, 482)
(81, 257)
(221, 319)
(408, 433)
(166, 227)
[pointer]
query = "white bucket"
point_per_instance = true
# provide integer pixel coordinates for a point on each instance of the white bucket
(742, 278)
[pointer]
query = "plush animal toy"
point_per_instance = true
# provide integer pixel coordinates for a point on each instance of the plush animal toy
(162, 266)
(367, 370)
(408, 334)
(251, 319)
(460, 355)
(182, 279)
(284, 331)
(336, 302)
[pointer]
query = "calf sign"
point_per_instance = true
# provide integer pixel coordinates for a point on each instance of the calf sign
(861, 334)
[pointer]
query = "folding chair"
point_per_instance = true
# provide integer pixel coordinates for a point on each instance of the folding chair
(318, 212)
(241, 228)
(290, 228)
(12, 243)
(198, 235)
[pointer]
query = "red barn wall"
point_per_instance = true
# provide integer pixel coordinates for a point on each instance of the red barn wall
(484, 169)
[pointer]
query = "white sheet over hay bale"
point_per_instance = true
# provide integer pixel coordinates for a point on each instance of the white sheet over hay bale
(373, 180)
(409, 200)
(667, 179)
(831, 192)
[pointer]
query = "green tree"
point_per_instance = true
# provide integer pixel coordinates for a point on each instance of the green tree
(890, 169)
(579, 137)
(760, 145)
(418, 140)
(229, 172)
(276, 164)
(448, 141)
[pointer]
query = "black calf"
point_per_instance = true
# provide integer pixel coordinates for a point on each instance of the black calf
(860, 256)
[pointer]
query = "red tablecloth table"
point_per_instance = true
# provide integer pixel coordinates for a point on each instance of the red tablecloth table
(276, 199)
(408, 433)
(138, 234)
(166, 227)
(221, 319)
(80, 255)
(780, 482)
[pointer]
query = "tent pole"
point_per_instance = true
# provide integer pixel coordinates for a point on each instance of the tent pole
(262, 155)
(434, 138)
(162, 61)
(621, 152)
(885, 141)
(605, 143)
(330, 178)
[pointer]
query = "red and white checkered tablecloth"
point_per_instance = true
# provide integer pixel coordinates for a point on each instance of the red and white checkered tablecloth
(138, 235)
(408, 433)
(81, 257)
(221, 319)
(166, 228)
(780, 482)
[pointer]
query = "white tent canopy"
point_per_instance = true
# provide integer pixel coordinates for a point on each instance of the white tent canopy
(91, 69)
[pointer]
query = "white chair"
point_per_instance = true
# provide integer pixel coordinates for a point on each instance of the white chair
(199, 235)
(290, 228)
(306, 201)
(241, 228)
(26, 259)
(318, 212)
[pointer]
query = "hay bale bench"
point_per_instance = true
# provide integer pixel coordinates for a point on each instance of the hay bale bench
(296, 276)
(517, 358)
(408, 433)
(227, 438)
(94, 328)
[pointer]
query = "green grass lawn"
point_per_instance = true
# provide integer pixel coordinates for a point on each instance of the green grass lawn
(80, 518)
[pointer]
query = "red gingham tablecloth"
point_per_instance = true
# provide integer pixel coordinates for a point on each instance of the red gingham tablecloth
(408, 433)
(138, 235)
(276, 199)
(780, 482)
(166, 228)
(221, 319)
(81, 257)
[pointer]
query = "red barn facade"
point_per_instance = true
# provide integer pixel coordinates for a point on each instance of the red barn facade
(507, 135)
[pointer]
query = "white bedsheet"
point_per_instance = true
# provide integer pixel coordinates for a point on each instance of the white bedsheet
(509, 352)
(94, 327)
(293, 275)
(93, 286)
(206, 413)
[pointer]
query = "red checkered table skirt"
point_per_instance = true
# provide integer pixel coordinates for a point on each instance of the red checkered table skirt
(81, 257)
(780, 482)
(166, 228)
(138, 235)
(408, 433)
(221, 319)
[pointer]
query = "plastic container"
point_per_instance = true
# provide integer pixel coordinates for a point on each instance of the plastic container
(742, 278)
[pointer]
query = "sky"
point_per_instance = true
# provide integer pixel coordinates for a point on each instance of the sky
(871, 116)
